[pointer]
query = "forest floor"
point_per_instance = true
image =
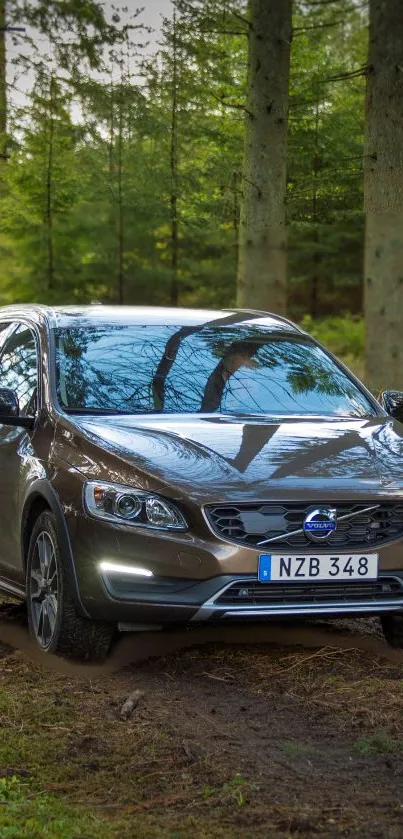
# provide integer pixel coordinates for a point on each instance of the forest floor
(285, 731)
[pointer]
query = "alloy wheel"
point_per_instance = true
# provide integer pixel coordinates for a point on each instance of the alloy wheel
(44, 589)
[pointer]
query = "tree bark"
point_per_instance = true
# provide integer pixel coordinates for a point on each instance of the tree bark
(262, 265)
(3, 83)
(49, 187)
(120, 218)
(314, 308)
(383, 191)
(235, 217)
(174, 291)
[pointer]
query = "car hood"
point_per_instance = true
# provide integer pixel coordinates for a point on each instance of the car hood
(220, 458)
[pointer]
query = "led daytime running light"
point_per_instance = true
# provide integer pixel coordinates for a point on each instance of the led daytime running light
(115, 568)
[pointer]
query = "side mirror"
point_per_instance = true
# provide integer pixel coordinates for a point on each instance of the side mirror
(392, 402)
(10, 410)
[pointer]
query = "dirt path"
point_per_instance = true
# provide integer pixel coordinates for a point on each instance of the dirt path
(296, 732)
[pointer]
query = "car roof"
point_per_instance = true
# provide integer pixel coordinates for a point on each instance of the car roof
(74, 316)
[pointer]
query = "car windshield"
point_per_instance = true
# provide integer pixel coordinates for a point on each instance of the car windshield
(237, 370)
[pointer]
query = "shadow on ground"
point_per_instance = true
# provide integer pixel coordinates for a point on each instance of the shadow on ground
(135, 648)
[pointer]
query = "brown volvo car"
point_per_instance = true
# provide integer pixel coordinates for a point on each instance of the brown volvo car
(162, 466)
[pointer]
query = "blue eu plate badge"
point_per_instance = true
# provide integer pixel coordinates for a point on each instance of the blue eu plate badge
(264, 568)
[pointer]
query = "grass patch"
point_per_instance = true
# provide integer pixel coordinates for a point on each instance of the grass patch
(27, 816)
(379, 743)
(237, 790)
(80, 771)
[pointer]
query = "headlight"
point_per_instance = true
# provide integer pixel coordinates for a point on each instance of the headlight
(121, 504)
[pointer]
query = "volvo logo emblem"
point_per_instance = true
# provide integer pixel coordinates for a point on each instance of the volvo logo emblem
(320, 523)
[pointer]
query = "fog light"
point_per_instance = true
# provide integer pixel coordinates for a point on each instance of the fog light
(115, 568)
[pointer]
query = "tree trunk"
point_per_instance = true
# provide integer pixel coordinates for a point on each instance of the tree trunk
(120, 218)
(3, 83)
(383, 191)
(235, 217)
(49, 188)
(314, 307)
(174, 293)
(262, 266)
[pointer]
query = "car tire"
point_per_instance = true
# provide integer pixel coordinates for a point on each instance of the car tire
(392, 626)
(53, 620)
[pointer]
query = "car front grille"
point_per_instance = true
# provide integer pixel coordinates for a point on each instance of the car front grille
(251, 593)
(251, 524)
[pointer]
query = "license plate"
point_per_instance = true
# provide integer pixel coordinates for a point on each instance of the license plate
(280, 568)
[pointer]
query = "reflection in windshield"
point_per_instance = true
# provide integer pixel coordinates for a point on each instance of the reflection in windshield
(238, 370)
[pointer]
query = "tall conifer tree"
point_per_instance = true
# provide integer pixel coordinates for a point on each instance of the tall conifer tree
(383, 185)
(262, 268)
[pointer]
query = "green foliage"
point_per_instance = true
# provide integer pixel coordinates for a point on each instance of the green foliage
(237, 790)
(23, 816)
(76, 29)
(42, 188)
(325, 159)
(344, 336)
(87, 196)
(380, 742)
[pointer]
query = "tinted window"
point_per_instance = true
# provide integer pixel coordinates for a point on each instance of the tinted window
(231, 370)
(18, 368)
(5, 329)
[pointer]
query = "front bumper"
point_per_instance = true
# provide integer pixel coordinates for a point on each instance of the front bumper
(236, 598)
(198, 578)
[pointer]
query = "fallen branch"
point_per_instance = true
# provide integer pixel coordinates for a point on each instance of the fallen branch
(130, 704)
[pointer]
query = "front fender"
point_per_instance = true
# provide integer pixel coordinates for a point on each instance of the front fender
(42, 490)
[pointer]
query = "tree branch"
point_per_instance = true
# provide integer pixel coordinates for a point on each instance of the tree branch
(299, 29)
(236, 105)
(322, 2)
(243, 19)
(353, 74)
(223, 32)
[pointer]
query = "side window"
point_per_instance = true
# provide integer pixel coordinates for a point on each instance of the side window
(6, 328)
(19, 367)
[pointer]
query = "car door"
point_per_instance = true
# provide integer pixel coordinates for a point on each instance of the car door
(19, 371)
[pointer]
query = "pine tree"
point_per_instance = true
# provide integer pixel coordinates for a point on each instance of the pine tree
(383, 187)
(195, 90)
(76, 29)
(141, 201)
(3, 82)
(262, 268)
(42, 187)
(325, 179)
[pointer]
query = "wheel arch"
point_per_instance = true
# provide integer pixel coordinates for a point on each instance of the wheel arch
(40, 498)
